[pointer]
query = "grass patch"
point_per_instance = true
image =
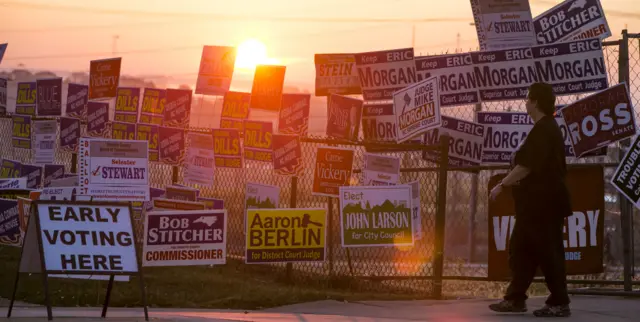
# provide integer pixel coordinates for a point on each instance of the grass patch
(231, 286)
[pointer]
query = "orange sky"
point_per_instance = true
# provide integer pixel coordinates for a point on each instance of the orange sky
(163, 37)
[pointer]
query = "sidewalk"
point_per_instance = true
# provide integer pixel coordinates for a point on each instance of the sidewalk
(585, 309)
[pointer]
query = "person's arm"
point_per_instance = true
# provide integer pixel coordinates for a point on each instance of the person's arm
(518, 173)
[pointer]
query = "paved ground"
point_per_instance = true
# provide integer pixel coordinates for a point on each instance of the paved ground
(585, 309)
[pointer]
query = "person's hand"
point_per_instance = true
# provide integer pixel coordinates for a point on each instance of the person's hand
(495, 191)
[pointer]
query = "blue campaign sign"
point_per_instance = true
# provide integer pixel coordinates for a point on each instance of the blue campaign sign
(571, 20)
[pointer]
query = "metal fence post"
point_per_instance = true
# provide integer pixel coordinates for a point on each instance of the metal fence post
(473, 203)
(293, 203)
(74, 163)
(175, 170)
(626, 208)
(329, 240)
(441, 212)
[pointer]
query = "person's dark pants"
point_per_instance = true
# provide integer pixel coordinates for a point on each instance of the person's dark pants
(537, 242)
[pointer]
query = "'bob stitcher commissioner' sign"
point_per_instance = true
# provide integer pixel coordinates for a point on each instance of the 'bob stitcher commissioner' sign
(285, 235)
(185, 238)
(114, 170)
(376, 216)
(417, 109)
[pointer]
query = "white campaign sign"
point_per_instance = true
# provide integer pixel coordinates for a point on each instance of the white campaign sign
(503, 24)
(416, 215)
(45, 137)
(199, 165)
(465, 147)
(17, 183)
(572, 20)
(380, 170)
(87, 238)
(59, 193)
(383, 72)
(456, 78)
(417, 109)
(114, 170)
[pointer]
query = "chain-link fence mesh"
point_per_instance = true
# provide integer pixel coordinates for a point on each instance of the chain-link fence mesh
(391, 269)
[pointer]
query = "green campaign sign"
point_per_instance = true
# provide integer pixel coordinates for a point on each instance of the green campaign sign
(376, 216)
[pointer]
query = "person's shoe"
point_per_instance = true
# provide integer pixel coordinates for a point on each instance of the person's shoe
(508, 306)
(553, 311)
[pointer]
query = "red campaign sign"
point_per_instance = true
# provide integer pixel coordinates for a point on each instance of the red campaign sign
(287, 155)
(600, 119)
(266, 92)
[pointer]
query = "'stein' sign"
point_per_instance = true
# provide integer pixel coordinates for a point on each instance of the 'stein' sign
(258, 141)
(114, 170)
(572, 20)
(235, 110)
(333, 170)
(49, 102)
(152, 111)
(465, 144)
(104, 77)
(336, 74)
(503, 24)
(127, 105)
(294, 114)
(185, 238)
(456, 81)
(343, 120)
(77, 96)
(583, 231)
(627, 176)
(86, 237)
(376, 216)
(216, 69)
(226, 148)
(383, 72)
(285, 235)
(600, 119)
(417, 109)
(266, 91)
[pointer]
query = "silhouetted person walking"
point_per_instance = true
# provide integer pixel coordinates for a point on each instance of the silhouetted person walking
(541, 198)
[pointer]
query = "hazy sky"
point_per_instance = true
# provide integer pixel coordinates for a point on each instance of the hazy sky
(163, 37)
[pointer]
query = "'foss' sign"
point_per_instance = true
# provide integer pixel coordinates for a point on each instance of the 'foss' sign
(600, 119)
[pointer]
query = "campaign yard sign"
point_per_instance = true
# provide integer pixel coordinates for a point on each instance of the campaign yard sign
(376, 216)
(417, 109)
(503, 24)
(226, 148)
(114, 170)
(266, 91)
(33, 174)
(199, 166)
(583, 231)
(382, 73)
(379, 123)
(456, 79)
(380, 170)
(10, 169)
(177, 109)
(69, 134)
(104, 77)
(149, 133)
(44, 132)
(625, 179)
(216, 70)
(21, 132)
(16, 183)
(181, 193)
(285, 235)
(52, 172)
(152, 111)
(294, 114)
(287, 155)
(212, 203)
(49, 101)
(465, 144)
(416, 214)
(258, 137)
(185, 238)
(572, 20)
(333, 170)
(77, 97)
(600, 119)
(171, 145)
(97, 118)
(173, 204)
(3, 96)
(261, 196)
(336, 74)
(572, 67)
(9, 223)
(235, 110)
(343, 117)
(127, 100)
(26, 98)
(504, 74)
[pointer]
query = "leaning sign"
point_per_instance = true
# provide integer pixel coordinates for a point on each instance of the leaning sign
(79, 238)
(285, 235)
(376, 216)
(185, 238)
(572, 20)
(600, 119)
(503, 24)
(114, 170)
(627, 177)
(417, 109)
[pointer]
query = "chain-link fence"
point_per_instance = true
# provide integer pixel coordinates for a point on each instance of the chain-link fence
(460, 255)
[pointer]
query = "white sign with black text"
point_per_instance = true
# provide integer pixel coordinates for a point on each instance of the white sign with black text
(45, 137)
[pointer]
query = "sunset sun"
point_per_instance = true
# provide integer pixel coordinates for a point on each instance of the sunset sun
(252, 52)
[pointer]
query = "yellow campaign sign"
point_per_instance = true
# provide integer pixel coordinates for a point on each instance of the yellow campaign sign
(285, 235)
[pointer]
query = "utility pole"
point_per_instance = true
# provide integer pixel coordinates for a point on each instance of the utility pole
(114, 44)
